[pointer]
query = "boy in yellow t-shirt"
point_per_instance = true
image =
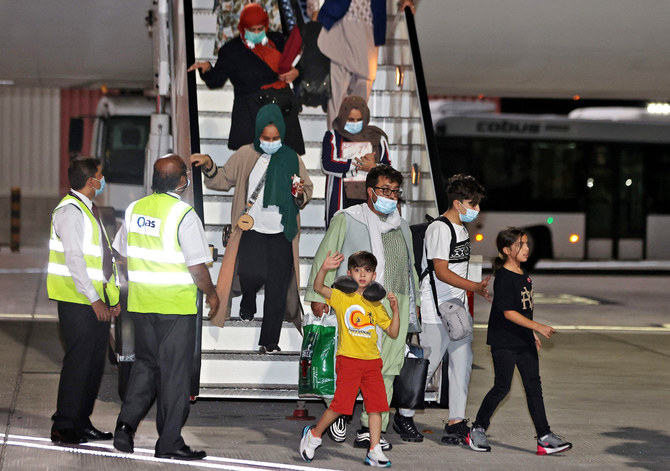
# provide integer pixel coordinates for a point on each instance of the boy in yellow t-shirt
(358, 364)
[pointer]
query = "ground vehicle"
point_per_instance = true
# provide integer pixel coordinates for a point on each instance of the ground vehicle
(120, 136)
(597, 187)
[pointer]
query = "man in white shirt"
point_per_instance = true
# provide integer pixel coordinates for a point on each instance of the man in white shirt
(163, 273)
(81, 278)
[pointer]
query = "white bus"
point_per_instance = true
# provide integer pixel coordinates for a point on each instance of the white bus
(590, 189)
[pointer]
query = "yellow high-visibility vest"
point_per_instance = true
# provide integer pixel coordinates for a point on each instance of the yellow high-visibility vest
(158, 278)
(60, 285)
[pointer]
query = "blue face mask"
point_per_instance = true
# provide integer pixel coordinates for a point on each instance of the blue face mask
(470, 214)
(270, 147)
(102, 186)
(353, 127)
(385, 205)
(254, 38)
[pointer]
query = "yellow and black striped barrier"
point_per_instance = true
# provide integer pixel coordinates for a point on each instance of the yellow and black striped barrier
(15, 220)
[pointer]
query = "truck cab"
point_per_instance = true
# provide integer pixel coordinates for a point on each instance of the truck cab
(120, 136)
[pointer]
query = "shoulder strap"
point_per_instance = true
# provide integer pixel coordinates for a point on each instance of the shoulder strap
(452, 245)
(429, 262)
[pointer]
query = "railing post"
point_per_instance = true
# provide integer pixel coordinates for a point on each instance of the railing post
(15, 220)
(427, 120)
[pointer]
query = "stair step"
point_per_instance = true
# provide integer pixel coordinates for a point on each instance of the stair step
(244, 391)
(254, 369)
(382, 104)
(402, 155)
(242, 336)
(270, 391)
(249, 355)
(214, 124)
(217, 208)
(385, 80)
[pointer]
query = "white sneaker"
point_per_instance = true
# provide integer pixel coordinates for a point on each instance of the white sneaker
(308, 444)
(376, 458)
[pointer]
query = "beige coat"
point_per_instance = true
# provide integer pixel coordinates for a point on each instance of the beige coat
(235, 173)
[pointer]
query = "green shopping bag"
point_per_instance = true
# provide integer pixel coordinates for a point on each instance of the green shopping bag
(316, 376)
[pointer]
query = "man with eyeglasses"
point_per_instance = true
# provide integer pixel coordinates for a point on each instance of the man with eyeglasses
(375, 226)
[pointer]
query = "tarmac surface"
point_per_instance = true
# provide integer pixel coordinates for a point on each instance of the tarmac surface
(605, 376)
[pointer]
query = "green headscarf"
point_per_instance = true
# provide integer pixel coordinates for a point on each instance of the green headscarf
(283, 165)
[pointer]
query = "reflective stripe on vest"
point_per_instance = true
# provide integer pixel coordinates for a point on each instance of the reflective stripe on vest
(158, 279)
(60, 285)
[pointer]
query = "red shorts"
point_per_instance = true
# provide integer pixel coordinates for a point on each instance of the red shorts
(354, 374)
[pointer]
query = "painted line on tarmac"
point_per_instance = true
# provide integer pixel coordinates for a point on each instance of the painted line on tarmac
(21, 271)
(145, 454)
(29, 316)
(602, 328)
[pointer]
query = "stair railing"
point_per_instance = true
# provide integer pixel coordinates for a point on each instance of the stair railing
(426, 118)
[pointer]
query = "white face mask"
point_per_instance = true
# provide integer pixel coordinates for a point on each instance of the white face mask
(181, 189)
(270, 147)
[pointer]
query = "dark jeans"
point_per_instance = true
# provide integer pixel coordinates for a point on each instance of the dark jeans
(85, 339)
(164, 346)
(504, 361)
(265, 259)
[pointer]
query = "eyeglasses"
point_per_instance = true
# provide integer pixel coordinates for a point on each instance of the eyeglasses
(389, 192)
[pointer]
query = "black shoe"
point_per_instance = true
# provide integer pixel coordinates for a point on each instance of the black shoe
(246, 315)
(406, 428)
(274, 348)
(363, 440)
(92, 434)
(123, 438)
(66, 436)
(455, 434)
(337, 431)
(184, 454)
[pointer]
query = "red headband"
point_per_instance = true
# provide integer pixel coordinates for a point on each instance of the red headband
(252, 14)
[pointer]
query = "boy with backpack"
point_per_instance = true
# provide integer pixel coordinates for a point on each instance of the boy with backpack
(444, 270)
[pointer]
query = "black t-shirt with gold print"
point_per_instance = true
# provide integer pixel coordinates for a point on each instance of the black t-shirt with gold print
(511, 292)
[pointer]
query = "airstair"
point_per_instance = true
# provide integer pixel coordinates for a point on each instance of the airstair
(231, 366)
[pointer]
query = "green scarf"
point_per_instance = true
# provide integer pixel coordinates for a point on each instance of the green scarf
(283, 165)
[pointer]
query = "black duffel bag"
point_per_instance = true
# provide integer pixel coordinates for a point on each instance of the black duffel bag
(409, 387)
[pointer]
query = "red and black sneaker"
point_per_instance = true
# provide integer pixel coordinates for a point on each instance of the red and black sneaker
(552, 443)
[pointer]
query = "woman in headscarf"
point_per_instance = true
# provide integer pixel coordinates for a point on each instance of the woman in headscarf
(266, 254)
(251, 62)
(351, 150)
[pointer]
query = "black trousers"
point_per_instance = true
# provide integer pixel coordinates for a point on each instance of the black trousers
(265, 259)
(164, 346)
(85, 339)
(504, 361)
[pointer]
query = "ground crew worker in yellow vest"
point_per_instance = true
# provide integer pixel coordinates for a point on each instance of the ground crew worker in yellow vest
(164, 243)
(80, 276)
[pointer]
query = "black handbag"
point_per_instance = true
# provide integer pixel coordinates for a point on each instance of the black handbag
(283, 98)
(409, 387)
(313, 85)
